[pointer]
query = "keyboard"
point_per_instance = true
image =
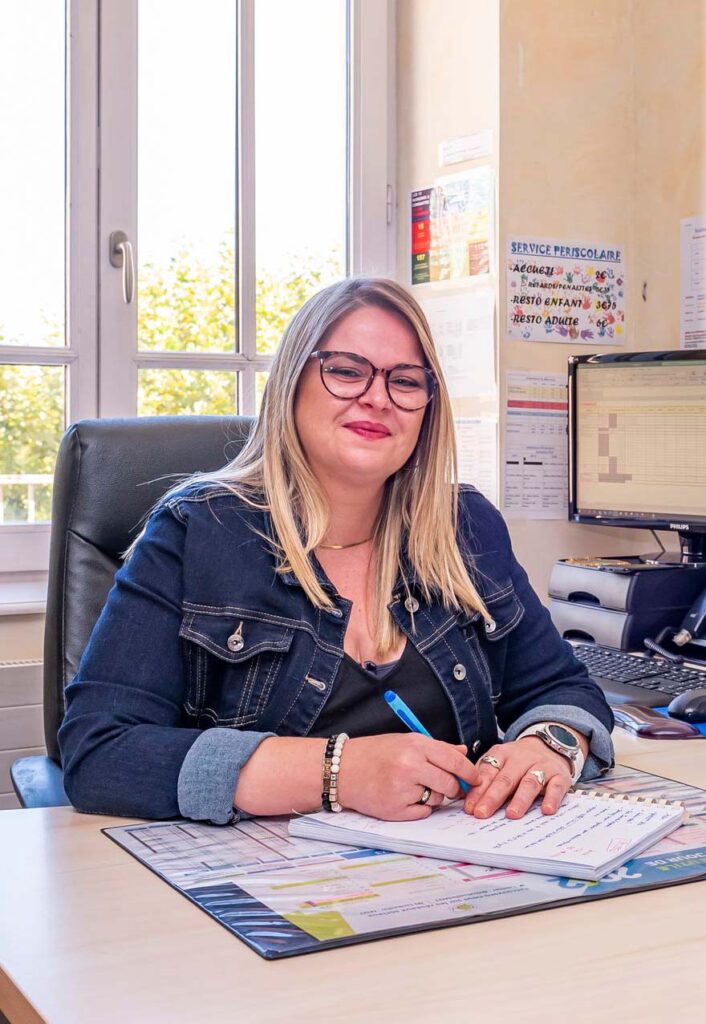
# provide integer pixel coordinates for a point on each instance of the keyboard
(634, 679)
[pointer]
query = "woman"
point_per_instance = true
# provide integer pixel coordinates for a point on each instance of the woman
(267, 607)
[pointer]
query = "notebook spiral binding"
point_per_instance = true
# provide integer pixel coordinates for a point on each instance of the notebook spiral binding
(602, 794)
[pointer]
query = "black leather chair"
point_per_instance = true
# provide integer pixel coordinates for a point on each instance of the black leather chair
(109, 473)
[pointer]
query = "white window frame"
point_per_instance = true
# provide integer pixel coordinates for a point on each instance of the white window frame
(98, 206)
(24, 549)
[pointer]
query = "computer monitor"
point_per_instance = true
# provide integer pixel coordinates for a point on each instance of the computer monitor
(637, 444)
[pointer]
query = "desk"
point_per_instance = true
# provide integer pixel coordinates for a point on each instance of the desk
(88, 934)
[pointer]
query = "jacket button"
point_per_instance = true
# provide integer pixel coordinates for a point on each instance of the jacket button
(459, 671)
(476, 747)
(490, 626)
(337, 612)
(412, 604)
(235, 643)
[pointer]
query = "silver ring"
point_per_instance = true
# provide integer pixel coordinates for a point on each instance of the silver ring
(426, 793)
(539, 776)
(492, 761)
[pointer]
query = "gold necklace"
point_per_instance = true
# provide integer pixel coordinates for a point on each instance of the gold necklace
(340, 547)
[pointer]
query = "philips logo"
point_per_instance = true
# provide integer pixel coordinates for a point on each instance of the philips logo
(678, 526)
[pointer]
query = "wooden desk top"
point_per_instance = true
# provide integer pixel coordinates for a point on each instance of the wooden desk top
(88, 934)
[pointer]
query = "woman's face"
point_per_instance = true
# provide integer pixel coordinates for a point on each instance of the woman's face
(359, 440)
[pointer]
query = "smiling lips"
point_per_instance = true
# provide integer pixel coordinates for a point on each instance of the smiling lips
(365, 428)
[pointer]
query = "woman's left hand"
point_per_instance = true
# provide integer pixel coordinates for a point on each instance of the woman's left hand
(514, 779)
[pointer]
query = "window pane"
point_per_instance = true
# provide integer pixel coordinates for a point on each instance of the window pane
(186, 175)
(163, 392)
(300, 146)
(32, 175)
(32, 420)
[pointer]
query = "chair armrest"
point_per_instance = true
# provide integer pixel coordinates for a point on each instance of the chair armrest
(38, 782)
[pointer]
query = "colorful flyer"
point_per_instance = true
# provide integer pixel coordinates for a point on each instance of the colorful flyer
(421, 235)
(452, 228)
(565, 291)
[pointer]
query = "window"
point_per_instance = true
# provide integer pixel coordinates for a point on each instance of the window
(233, 159)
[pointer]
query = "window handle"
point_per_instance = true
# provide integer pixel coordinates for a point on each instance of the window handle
(120, 250)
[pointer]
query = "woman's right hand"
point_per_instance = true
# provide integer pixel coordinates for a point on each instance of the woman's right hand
(384, 776)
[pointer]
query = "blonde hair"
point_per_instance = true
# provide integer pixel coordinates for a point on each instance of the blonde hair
(419, 511)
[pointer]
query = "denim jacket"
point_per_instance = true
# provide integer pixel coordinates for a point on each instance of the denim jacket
(202, 650)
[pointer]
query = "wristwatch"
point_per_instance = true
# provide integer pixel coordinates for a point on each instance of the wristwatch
(561, 739)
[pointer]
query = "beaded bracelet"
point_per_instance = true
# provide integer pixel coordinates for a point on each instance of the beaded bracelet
(331, 767)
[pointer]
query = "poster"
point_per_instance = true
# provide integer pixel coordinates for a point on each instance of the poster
(692, 312)
(565, 291)
(421, 236)
(452, 224)
(536, 450)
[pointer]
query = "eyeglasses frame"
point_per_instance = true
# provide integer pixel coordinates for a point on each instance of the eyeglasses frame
(431, 376)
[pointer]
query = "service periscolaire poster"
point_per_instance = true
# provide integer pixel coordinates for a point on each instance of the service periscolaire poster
(565, 291)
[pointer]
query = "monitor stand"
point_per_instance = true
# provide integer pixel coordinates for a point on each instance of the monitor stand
(691, 555)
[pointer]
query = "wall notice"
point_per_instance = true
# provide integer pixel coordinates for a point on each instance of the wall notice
(477, 441)
(452, 226)
(463, 327)
(565, 291)
(693, 283)
(536, 455)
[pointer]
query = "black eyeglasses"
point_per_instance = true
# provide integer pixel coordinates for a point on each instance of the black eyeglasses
(347, 375)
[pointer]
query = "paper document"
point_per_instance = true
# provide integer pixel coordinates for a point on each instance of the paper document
(536, 451)
(586, 838)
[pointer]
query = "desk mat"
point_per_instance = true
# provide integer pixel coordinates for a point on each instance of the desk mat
(285, 896)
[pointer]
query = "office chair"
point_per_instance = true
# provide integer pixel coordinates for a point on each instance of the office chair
(109, 473)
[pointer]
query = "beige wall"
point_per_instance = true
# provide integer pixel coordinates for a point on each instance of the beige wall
(601, 128)
(670, 153)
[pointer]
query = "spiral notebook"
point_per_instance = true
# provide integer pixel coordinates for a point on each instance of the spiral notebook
(592, 833)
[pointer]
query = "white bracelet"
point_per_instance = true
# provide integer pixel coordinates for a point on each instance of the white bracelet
(331, 768)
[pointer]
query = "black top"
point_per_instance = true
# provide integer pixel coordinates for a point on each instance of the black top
(356, 704)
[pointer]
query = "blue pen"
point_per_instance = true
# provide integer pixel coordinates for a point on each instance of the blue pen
(406, 715)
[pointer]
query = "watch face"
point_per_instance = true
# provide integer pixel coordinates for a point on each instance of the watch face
(558, 732)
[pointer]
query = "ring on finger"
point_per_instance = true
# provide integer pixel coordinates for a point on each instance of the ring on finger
(424, 798)
(539, 776)
(492, 761)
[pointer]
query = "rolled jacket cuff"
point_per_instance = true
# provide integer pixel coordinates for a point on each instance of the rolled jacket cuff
(600, 753)
(209, 773)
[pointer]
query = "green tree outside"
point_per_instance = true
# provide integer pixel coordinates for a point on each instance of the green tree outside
(183, 306)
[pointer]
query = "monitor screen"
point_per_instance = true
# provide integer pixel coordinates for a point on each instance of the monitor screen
(638, 439)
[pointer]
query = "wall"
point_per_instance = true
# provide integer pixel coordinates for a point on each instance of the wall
(670, 157)
(601, 125)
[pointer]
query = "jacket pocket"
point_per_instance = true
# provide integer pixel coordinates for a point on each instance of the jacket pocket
(505, 611)
(232, 663)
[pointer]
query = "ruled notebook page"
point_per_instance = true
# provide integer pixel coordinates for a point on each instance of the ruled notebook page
(583, 832)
